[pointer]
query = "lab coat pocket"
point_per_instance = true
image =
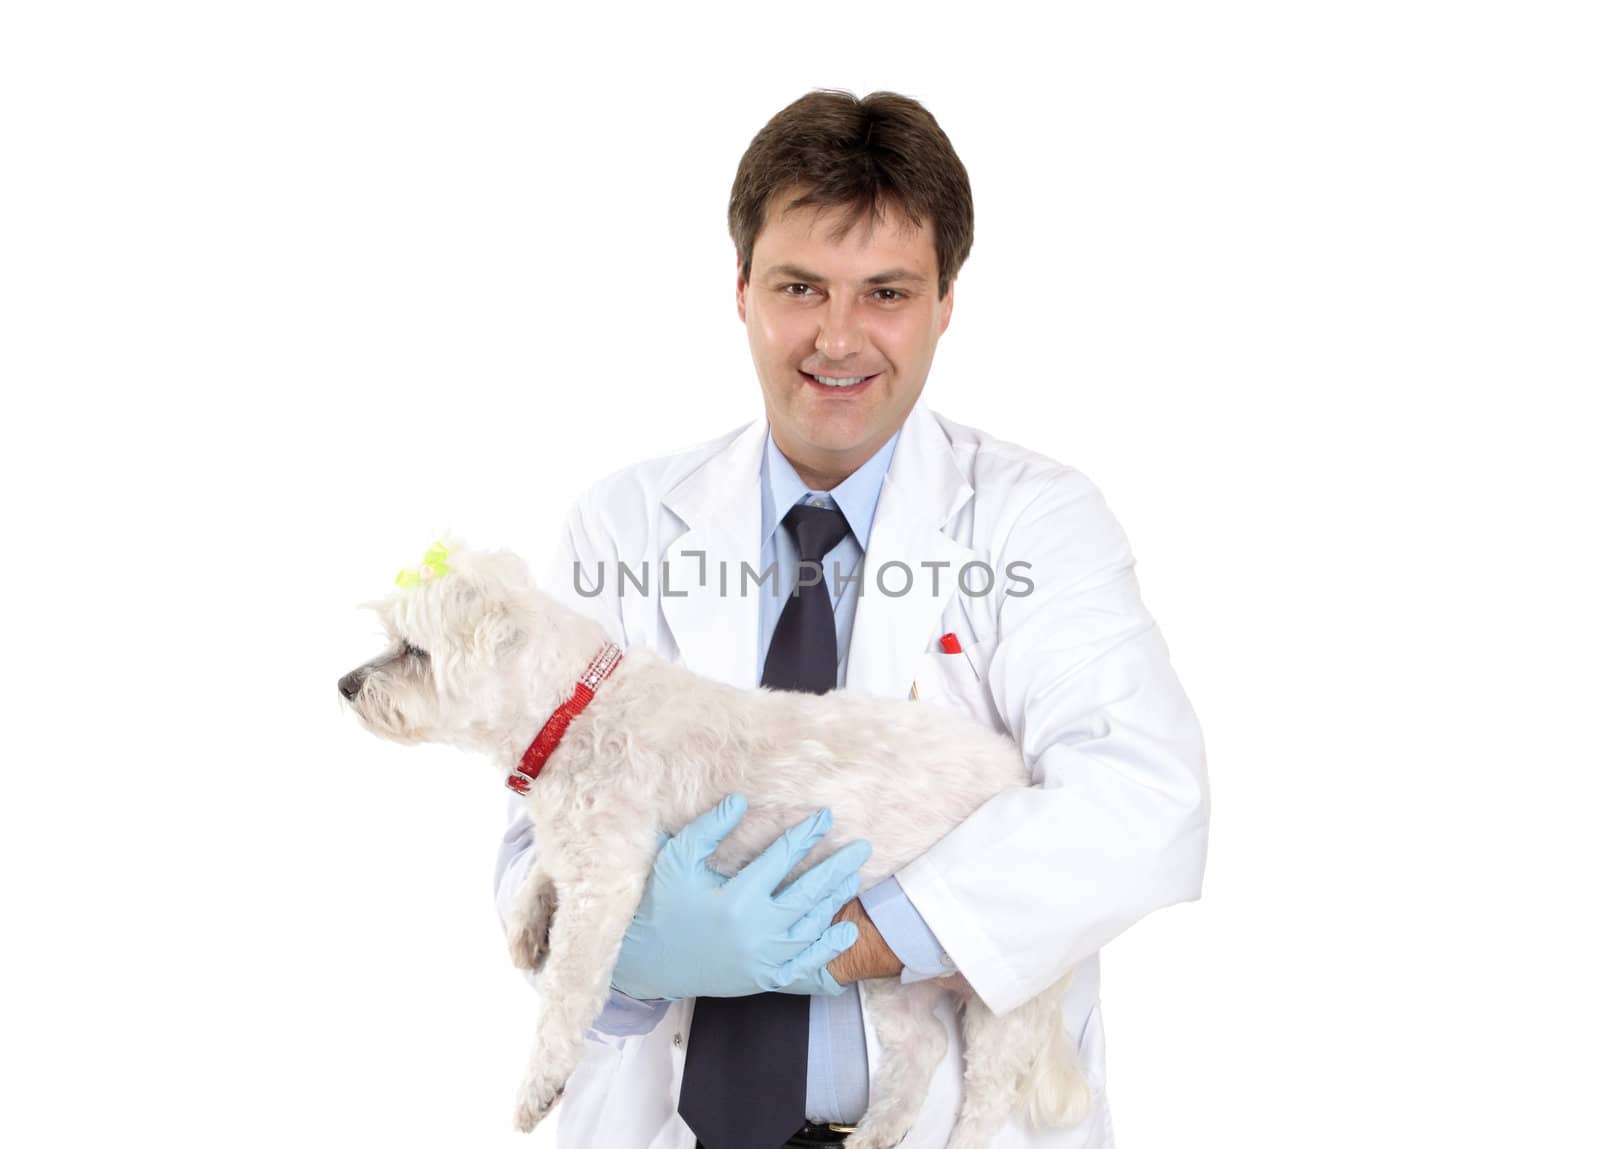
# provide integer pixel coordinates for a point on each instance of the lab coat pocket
(958, 682)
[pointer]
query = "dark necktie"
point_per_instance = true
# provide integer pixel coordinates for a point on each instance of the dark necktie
(744, 1073)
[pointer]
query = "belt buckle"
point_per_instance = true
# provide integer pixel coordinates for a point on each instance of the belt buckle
(835, 1128)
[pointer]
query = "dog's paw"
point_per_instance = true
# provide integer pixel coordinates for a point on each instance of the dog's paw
(529, 947)
(871, 1134)
(535, 1099)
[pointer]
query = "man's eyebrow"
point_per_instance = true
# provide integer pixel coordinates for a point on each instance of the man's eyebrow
(896, 275)
(790, 271)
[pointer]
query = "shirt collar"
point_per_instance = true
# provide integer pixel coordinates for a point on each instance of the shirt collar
(857, 496)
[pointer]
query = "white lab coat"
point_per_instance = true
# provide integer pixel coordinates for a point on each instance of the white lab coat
(1037, 880)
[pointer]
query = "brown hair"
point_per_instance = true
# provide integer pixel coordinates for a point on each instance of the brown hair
(836, 150)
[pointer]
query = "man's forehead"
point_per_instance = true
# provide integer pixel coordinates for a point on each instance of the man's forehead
(818, 240)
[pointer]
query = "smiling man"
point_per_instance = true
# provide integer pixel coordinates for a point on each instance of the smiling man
(902, 554)
(843, 311)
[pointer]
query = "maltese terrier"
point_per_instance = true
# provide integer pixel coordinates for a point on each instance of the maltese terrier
(479, 658)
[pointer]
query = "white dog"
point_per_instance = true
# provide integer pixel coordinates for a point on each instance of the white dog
(480, 659)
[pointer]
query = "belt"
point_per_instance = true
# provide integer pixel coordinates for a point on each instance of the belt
(814, 1136)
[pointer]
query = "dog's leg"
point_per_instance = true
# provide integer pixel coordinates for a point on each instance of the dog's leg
(1023, 1058)
(528, 927)
(912, 1039)
(584, 939)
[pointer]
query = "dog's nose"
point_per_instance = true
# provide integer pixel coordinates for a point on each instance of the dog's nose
(350, 684)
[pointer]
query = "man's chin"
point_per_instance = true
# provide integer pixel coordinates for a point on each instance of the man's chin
(834, 433)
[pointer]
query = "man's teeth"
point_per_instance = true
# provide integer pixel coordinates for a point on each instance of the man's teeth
(827, 382)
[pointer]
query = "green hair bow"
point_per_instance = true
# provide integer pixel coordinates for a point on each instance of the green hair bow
(433, 566)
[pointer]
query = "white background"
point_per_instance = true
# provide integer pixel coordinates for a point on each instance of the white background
(285, 289)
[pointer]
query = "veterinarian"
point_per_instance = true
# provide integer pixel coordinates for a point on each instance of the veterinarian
(912, 557)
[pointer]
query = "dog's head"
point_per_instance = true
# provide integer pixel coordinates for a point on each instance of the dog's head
(456, 625)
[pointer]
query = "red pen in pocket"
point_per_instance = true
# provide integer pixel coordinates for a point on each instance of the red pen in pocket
(950, 644)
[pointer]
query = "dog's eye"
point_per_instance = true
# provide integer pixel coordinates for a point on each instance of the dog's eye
(416, 652)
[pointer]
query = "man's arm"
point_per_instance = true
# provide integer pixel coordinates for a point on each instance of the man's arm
(893, 941)
(1114, 825)
(870, 956)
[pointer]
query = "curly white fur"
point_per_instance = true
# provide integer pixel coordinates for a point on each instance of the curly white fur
(480, 658)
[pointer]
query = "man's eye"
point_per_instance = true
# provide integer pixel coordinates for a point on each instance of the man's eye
(889, 291)
(789, 289)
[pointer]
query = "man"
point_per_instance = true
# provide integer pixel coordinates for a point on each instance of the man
(960, 570)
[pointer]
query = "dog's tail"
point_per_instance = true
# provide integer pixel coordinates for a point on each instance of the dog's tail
(1056, 1091)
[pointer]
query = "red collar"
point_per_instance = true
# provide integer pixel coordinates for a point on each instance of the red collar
(544, 743)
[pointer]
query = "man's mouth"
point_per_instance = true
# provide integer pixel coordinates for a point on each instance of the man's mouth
(843, 384)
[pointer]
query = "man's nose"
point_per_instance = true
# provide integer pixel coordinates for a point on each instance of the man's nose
(840, 335)
(350, 684)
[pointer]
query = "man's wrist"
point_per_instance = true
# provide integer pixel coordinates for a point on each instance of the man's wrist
(870, 956)
(906, 932)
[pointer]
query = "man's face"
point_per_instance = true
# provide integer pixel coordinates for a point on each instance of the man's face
(862, 307)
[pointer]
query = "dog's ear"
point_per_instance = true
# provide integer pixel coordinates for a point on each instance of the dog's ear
(497, 632)
(506, 584)
(502, 580)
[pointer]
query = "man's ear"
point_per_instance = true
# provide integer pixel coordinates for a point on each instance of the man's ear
(740, 285)
(945, 305)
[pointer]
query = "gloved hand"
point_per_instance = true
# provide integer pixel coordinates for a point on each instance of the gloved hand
(697, 933)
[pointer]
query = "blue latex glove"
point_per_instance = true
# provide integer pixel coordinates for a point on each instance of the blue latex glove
(699, 934)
